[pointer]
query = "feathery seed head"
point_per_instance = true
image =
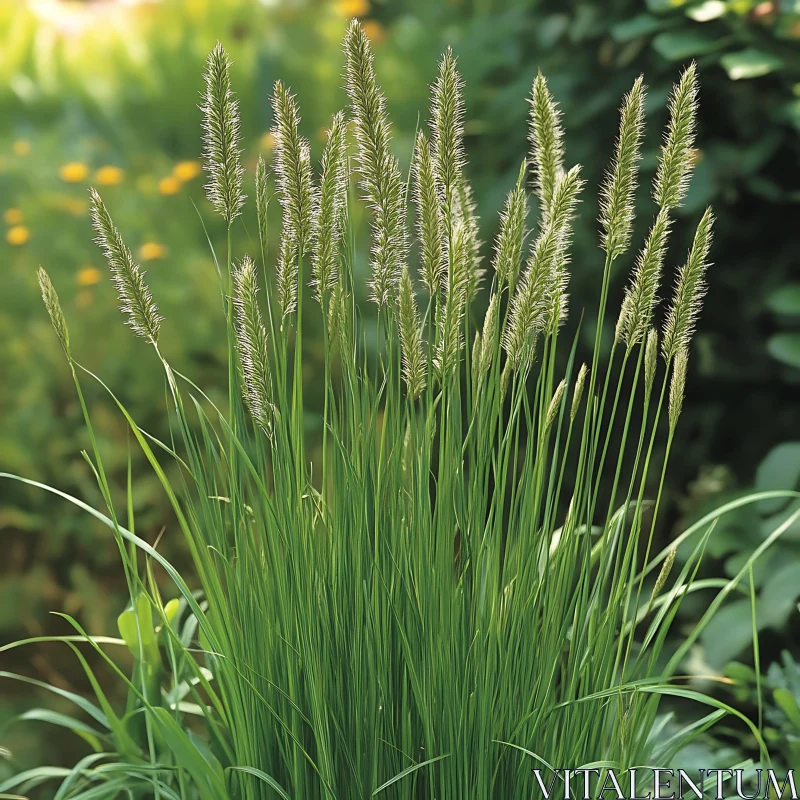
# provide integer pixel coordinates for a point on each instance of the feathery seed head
(465, 211)
(577, 393)
(663, 574)
(450, 338)
(650, 362)
(643, 289)
(539, 300)
(565, 199)
(623, 321)
(378, 168)
(251, 345)
(546, 140)
(414, 363)
(510, 238)
(689, 291)
(296, 193)
(262, 201)
(53, 306)
(677, 154)
(429, 214)
(491, 325)
(222, 137)
(447, 127)
(677, 386)
(555, 404)
(332, 209)
(619, 186)
(135, 299)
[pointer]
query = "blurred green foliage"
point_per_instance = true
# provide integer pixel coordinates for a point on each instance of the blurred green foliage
(101, 93)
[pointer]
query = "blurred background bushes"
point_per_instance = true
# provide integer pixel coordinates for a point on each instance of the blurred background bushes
(105, 94)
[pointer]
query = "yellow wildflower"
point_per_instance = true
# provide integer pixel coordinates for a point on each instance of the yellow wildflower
(21, 147)
(89, 276)
(151, 251)
(169, 185)
(352, 8)
(109, 175)
(374, 30)
(186, 170)
(18, 235)
(74, 172)
(13, 216)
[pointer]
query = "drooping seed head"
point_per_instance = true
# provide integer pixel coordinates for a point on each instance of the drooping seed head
(546, 139)
(135, 299)
(53, 306)
(619, 186)
(332, 209)
(689, 291)
(623, 320)
(677, 152)
(378, 168)
(222, 137)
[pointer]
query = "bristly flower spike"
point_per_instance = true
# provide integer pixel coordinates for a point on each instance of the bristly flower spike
(577, 393)
(296, 193)
(677, 152)
(414, 362)
(251, 345)
(546, 139)
(53, 306)
(379, 170)
(332, 208)
(689, 291)
(619, 186)
(429, 216)
(531, 305)
(262, 202)
(447, 124)
(511, 236)
(677, 386)
(135, 299)
(222, 137)
(642, 294)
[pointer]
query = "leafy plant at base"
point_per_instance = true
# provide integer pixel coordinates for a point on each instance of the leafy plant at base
(431, 608)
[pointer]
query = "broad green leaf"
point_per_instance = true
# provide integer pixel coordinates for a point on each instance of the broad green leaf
(204, 768)
(785, 299)
(785, 347)
(750, 63)
(633, 28)
(788, 704)
(682, 44)
(780, 469)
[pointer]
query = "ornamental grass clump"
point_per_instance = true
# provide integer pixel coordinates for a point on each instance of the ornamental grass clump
(460, 586)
